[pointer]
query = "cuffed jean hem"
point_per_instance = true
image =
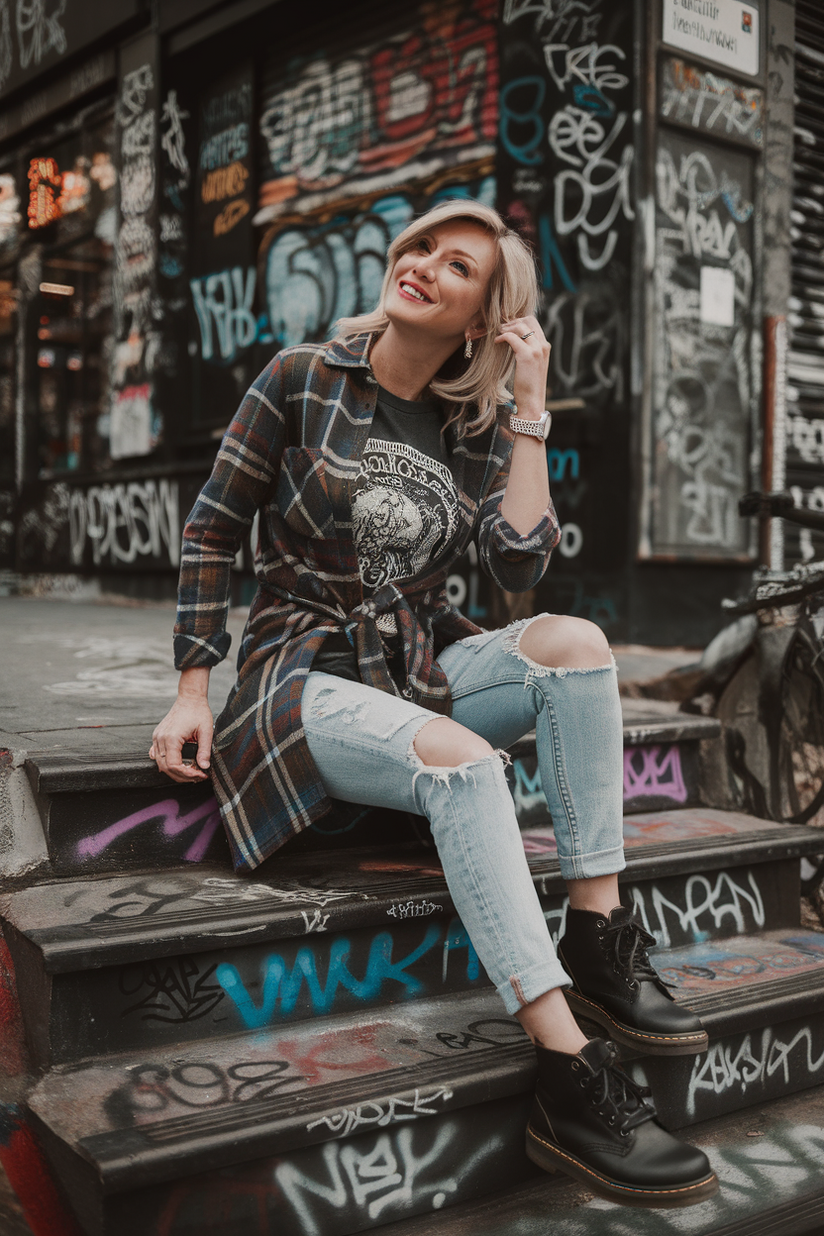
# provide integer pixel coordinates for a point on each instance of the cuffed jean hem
(521, 989)
(597, 863)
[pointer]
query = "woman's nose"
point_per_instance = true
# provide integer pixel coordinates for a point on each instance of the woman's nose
(424, 267)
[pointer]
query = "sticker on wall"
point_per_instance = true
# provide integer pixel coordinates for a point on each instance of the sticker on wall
(725, 31)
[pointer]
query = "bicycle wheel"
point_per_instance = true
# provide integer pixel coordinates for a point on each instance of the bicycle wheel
(798, 764)
(801, 744)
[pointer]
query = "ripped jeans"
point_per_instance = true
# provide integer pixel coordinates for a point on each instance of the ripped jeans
(362, 741)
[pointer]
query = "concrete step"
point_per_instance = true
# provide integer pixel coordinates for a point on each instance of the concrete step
(318, 1106)
(768, 1164)
(114, 963)
(112, 812)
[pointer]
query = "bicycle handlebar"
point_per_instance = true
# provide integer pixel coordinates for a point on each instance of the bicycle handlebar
(780, 506)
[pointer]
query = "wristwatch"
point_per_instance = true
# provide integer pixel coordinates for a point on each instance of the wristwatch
(535, 429)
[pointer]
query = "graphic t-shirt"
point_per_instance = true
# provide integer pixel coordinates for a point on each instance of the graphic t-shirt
(405, 505)
(404, 509)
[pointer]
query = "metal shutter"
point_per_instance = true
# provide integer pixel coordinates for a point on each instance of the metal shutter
(805, 362)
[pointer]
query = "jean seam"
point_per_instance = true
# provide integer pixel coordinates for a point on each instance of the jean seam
(560, 780)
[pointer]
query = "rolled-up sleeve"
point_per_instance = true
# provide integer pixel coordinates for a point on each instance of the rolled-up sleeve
(244, 471)
(515, 562)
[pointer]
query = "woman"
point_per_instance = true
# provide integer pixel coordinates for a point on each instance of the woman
(374, 461)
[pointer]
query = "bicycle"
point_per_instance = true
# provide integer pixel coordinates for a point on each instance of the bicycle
(763, 677)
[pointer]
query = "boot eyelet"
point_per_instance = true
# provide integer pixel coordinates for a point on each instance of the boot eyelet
(600, 923)
(624, 1132)
(635, 985)
(582, 1081)
(611, 1120)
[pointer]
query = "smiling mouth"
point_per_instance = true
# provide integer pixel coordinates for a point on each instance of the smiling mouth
(409, 290)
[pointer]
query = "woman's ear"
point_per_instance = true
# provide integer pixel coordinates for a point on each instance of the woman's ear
(476, 330)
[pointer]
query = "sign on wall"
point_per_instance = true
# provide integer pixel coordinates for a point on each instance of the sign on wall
(725, 31)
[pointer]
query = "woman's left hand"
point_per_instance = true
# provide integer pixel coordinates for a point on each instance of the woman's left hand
(531, 350)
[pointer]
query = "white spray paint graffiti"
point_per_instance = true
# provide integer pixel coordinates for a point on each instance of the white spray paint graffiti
(39, 32)
(133, 429)
(218, 891)
(225, 300)
(752, 1063)
(597, 186)
(172, 136)
(317, 922)
(413, 909)
(725, 899)
(389, 1175)
(125, 522)
(704, 372)
(381, 1114)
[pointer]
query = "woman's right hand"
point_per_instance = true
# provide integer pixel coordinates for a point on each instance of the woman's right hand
(188, 720)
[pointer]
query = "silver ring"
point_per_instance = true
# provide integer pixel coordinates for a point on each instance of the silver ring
(528, 333)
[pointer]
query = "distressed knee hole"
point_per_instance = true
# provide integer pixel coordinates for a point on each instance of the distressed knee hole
(537, 669)
(452, 745)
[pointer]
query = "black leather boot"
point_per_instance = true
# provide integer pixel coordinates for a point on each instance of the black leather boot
(616, 986)
(591, 1121)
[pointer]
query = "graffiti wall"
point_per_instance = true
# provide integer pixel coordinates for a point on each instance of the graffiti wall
(706, 349)
(349, 141)
(135, 424)
(565, 166)
(113, 525)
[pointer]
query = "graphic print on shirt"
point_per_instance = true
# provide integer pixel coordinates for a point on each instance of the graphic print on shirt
(404, 511)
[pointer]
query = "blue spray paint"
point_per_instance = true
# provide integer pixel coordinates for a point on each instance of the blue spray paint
(456, 940)
(550, 253)
(526, 152)
(558, 461)
(280, 981)
(590, 97)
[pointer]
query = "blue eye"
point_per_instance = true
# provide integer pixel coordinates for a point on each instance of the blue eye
(463, 269)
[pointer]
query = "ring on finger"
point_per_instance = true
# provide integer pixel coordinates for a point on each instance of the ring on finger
(528, 333)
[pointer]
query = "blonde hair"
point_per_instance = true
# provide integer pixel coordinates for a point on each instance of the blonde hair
(475, 388)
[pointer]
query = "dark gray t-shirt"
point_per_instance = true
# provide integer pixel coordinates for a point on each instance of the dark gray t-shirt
(405, 505)
(404, 509)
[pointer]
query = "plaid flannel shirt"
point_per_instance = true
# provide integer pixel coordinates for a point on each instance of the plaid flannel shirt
(292, 453)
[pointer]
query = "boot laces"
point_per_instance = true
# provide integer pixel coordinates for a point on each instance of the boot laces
(622, 1101)
(629, 949)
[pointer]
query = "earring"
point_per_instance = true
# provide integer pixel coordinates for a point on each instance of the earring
(468, 348)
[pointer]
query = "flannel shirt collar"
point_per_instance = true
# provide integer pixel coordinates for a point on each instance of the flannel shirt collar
(350, 353)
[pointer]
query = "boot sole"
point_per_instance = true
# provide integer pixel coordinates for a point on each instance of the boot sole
(553, 1159)
(687, 1044)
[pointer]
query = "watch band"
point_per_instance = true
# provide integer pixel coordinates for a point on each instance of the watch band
(534, 429)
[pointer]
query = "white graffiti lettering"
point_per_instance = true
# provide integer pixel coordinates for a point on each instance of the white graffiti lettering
(172, 136)
(219, 891)
(703, 899)
(39, 32)
(583, 64)
(806, 437)
(413, 909)
(752, 1063)
(381, 1114)
(391, 1174)
(306, 126)
(125, 522)
(317, 922)
(224, 300)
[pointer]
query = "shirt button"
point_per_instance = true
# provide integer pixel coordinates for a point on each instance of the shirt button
(407, 692)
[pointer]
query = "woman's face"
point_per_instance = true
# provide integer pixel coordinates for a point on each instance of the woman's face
(439, 286)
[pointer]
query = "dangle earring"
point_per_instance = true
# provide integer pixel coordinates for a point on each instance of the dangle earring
(468, 348)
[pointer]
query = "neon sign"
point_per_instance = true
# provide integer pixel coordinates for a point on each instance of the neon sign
(44, 179)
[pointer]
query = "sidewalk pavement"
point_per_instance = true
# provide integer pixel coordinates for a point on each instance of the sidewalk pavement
(95, 677)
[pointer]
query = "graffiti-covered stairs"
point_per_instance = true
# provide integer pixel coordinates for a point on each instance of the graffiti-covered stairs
(317, 1050)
